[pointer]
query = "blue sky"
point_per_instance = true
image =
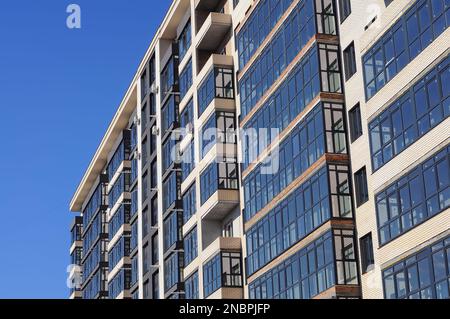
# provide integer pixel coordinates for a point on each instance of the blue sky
(59, 89)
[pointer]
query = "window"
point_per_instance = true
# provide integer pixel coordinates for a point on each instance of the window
(189, 203)
(217, 84)
(219, 128)
(121, 185)
(172, 231)
(228, 229)
(423, 275)
(302, 85)
(170, 151)
(172, 271)
(345, 9)
(134, 170)
(185, 79)
(184, 40)
(367, 259)
(294, 34)
(167, 78)
(304, 145)
(311, 270)
(361, 190)
(144, 187)
(144, 152)
(122, 153)
(119, 283)
(188, 160)
(223, 270)
(146, 253)
(349, 61)
(145, 222)
(134, 137)
(187, 115)
(120, 217)
(222, 175)
(155, 285)
(144, 117)
(154, 175)
(169, 113)
(134, 202)
(134, 270)
(155, 250)
(414, 198)
(330, 68)
(190, 247)
(170, 191)
(154, 210)
(355, 123)
(144, 85)
(403, 42)
(191, 287)
(297, 216)
(425, 105)
(146, 291)
(134, 236)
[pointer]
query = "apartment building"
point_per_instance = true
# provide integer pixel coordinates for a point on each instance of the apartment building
(293, 149)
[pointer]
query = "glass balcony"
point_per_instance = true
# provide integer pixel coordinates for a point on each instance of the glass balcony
(217, 84)
(223, 276)
(219, 189)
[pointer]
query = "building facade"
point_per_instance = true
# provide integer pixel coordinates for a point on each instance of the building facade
(293, 149)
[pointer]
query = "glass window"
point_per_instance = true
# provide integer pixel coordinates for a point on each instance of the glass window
(190, 247)
(189, 203)
(191, 287)
(410, 117)
(185, 79)
(219, 128)
(170, 191)
(184, 40)
(303, 211)
(221, 175)
(217, 84)
(355, 123)
(223, 270)
(413, 31)
(168, 78)
(172, 230)
(313, 268)
(345, 9)
(361, 189)
(425, 186)
(420, 276)
(367, 258)
(349, 61)
(169, 113)
(172, 271)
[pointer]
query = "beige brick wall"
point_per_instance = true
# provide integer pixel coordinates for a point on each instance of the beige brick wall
(353, 30)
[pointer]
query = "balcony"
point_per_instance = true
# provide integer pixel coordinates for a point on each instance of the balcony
(76, 230)
(222, 244)
(217, 86)
(219, 204)
(215, 28)
(222, 274)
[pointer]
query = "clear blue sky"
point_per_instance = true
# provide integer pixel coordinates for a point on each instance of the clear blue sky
(59, 89)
